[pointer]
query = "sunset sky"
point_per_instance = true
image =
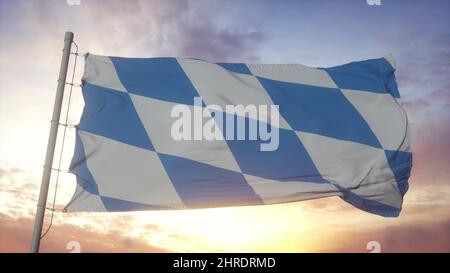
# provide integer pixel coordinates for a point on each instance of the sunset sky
(313, 33)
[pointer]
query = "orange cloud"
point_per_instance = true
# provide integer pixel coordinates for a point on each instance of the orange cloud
(415, 237)
(15, 236)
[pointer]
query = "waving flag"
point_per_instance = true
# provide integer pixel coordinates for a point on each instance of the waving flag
(175, 133)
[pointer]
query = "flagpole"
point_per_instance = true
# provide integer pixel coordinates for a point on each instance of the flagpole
(45, 182)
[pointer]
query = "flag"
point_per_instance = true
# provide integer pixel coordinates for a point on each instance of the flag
(181, 133)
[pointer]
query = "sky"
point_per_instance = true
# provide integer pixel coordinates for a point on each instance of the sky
(313, 33)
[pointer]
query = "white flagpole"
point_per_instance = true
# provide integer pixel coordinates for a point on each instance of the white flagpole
(42, 202)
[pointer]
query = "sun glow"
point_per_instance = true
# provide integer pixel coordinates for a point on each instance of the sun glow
(238, 229)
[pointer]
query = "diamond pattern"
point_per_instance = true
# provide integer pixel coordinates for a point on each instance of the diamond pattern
(331, 140)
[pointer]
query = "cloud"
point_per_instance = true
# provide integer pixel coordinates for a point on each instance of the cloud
(15, 236)
(178, 29)
(19, 189)
(422, 74)
(430, 144)
(432, 237)
(412, 237)
(143, 28)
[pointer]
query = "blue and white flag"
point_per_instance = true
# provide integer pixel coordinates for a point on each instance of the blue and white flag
(176, 133)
